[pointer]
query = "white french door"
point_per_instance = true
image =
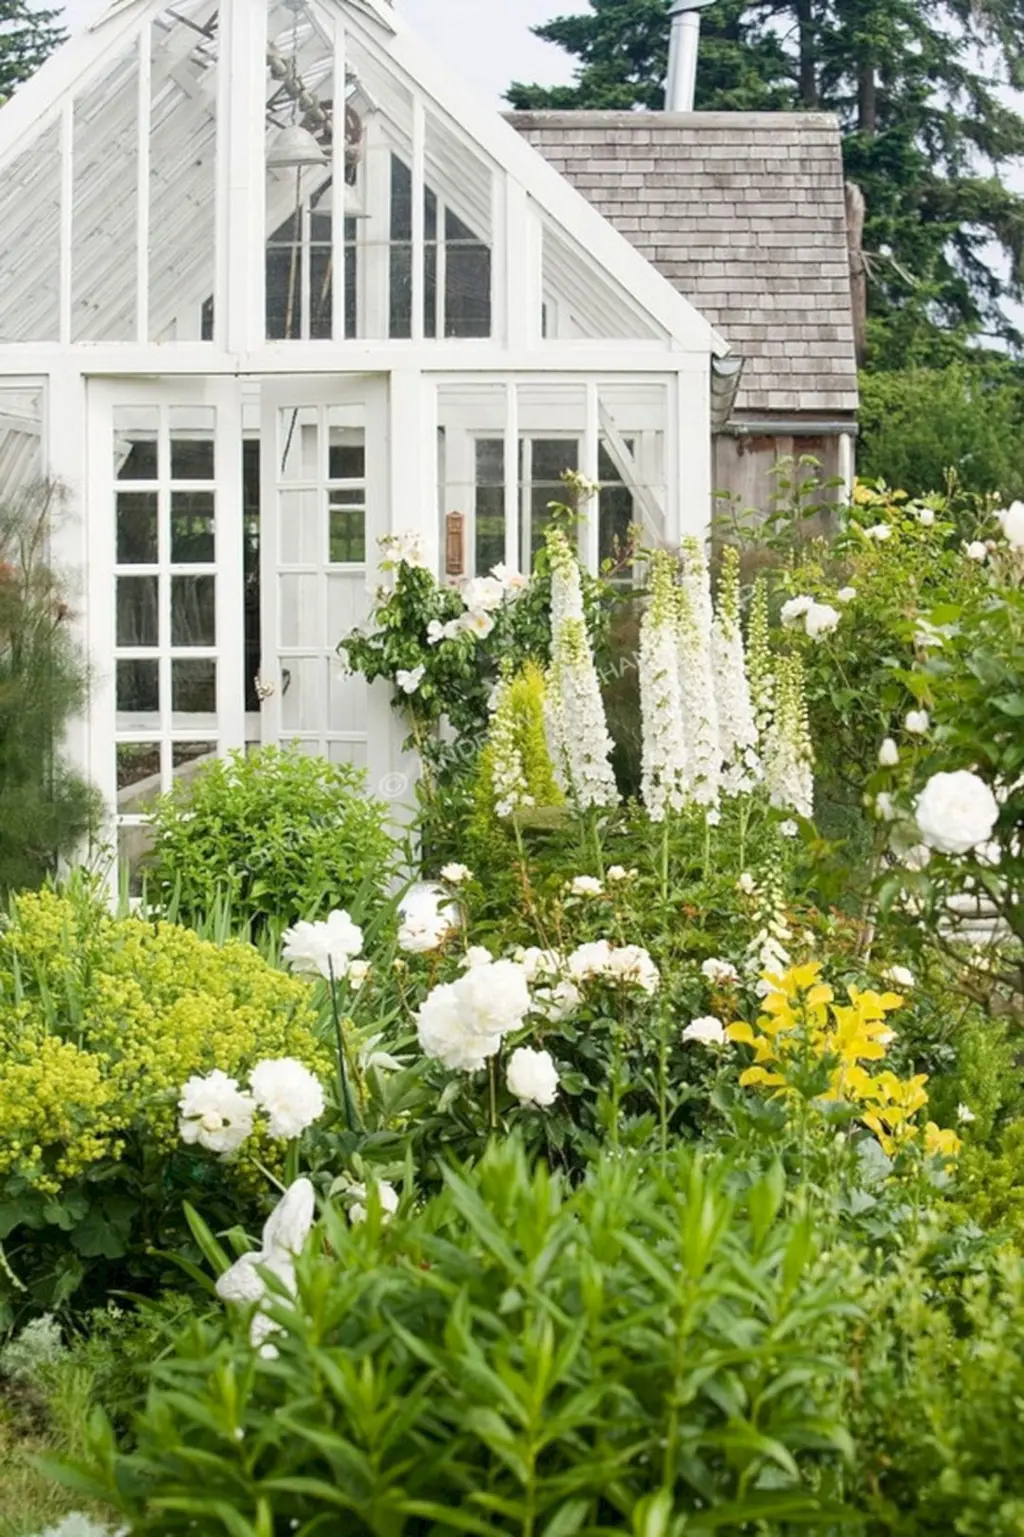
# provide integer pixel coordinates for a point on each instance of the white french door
(324, 505)
(165, 587)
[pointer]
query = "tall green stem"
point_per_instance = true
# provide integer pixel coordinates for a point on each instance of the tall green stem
(339, 1037)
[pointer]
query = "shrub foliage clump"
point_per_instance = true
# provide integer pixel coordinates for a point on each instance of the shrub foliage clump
(276, 834)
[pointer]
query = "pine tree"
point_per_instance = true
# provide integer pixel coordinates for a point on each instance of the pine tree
(915, 85)
(27, 38)
(45, 808)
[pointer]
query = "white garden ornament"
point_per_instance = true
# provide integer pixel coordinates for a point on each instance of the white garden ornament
(284, 1236)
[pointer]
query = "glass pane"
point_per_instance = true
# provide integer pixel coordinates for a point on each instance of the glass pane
(347, 528)
(490, 462)
(193, 611)
(298, 441)
(192, 527)
(193, 430)
(135, 442)
(104, 277)
(551, 458)
(461, 182)
(138, 611)
(21, 442)
(194, 687)
(137, 542)
(30, 242)
(138, 765)
(138, 687)
(182, 172)
(582, 301)
(300, 526)
(616, 515)
(186, 754)
(134, 852)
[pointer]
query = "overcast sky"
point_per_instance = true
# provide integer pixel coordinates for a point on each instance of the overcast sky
(487, 42)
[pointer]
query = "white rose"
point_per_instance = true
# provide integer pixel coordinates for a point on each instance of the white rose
(215, 1112)
(557, 1002)
(456, 875)
(618, 873)
(888, 753)
(483, 594)
(1013, 525)
(707, 1030)
(632, 964)
(427, 918)
(586, 886)
(589, 960)
(926, 516)
(917, 722)
(495, 996)
(444, 1034)
(956, 812)
(846, 594)
(289, 1093)
(720, 973)
(879, 531)
(357, 973)
(899, 976)
(536, 962)
(820, 619)
(511, 580)
(977, 550)
(794, 610)
(532, 1077)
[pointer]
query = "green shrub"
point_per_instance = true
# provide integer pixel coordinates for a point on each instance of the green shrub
(276, 834)
(519, 1357)
(102, 1020)
(935, 1403)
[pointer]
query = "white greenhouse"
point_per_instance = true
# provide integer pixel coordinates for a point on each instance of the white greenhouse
(248, 346)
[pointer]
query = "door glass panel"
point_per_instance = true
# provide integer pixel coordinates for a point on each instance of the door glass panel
(138, 621)
(193, 614)
(138, 690)
(137, 540)
(192, 528)
(193, 689)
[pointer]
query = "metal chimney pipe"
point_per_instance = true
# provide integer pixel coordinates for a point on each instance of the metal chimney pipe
(684, 45)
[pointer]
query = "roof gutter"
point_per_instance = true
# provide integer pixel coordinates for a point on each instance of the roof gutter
(726, 374)
(789, 426)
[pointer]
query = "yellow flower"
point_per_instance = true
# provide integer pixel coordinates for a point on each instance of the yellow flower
(939, 1143)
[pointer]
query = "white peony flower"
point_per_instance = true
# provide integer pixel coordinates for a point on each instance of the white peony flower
(707, 1030)
(532, 1077)
(215, 1112)
(846, 594)
(386, 1194)
(589, 960)
(879, 531)
(292, 1097)
(917, 722)
(976, 550)
(409, 679)
(1013, 525)
(965, 1115)
(463, 1023)
(428, 917)
(821, 619)
(956, 812)
(537, 963)
(917, 858)
(558, 1001)
(586, 886)
(888, 753)
(794, 610)
(483, 594)
(616, 873)
(325, 948)
(456, 875)
(899, 976)
(357, 973)
(284, 1236)
(720, 973)
(476, 955)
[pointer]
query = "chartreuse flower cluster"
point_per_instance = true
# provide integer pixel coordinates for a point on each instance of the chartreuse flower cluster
(102, 1020)
(801, 1021)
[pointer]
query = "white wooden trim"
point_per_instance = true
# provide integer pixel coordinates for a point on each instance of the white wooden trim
(513, 556)
(591, 509)
(142, 186)
(690, 509)
(67, 196)
(419, 184)
(338, 150)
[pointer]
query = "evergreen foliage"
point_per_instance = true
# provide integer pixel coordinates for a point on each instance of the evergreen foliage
(45, 808)
(27, 38)
(926, 134)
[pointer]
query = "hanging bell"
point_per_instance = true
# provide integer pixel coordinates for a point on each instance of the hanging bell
(294, 147)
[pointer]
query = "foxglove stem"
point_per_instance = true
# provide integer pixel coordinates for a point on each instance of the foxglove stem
(339, 1036)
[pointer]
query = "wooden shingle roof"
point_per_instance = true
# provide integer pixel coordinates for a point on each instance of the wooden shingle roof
(744, 212)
